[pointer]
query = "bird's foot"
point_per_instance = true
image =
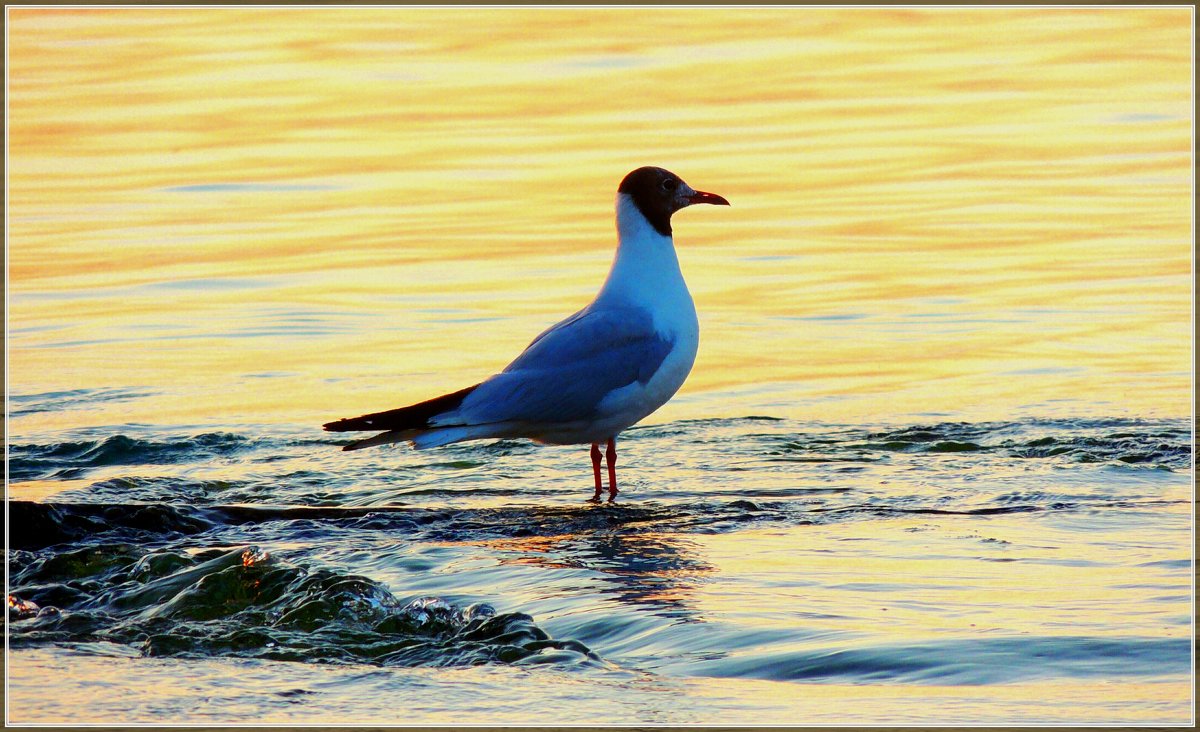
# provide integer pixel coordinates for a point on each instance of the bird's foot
(612, 497)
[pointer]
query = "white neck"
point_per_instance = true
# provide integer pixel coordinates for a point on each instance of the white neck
(645, 270)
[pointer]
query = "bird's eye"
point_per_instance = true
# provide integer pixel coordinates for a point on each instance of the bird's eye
(670, 184)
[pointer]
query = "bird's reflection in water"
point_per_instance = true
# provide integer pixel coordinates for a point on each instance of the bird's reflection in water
(636, 566)
(659, 570)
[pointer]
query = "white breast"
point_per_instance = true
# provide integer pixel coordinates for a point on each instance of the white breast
(646, 274)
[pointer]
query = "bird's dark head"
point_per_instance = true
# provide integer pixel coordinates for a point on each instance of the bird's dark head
(659, 193)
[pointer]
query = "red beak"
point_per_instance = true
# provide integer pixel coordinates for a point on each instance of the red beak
(702, 197)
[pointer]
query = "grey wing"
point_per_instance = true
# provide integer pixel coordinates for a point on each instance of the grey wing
(567, 370)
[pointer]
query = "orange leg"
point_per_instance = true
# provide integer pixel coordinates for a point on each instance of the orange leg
(612, 469)
(596, 469)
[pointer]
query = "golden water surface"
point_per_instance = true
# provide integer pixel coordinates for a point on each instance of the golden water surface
(266, 216)
(975, 212)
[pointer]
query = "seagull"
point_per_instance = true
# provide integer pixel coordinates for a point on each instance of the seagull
(594, 374)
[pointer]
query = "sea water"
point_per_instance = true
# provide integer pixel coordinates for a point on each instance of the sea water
(934, 463)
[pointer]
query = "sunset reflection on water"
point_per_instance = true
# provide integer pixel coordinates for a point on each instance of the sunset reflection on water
(974, 222)
(245, 222)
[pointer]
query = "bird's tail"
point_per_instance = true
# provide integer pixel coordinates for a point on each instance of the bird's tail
(384, 438)
(436, 437)
(407, 423)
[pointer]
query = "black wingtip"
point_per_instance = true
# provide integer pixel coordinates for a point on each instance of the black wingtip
(415, 416)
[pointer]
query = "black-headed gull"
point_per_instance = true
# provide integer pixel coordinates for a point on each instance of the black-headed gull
(589, 377)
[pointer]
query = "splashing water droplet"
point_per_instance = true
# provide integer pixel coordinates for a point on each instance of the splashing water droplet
(20, 609)
(253, 556)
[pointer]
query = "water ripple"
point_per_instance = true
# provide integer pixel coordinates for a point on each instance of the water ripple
(239, 543)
